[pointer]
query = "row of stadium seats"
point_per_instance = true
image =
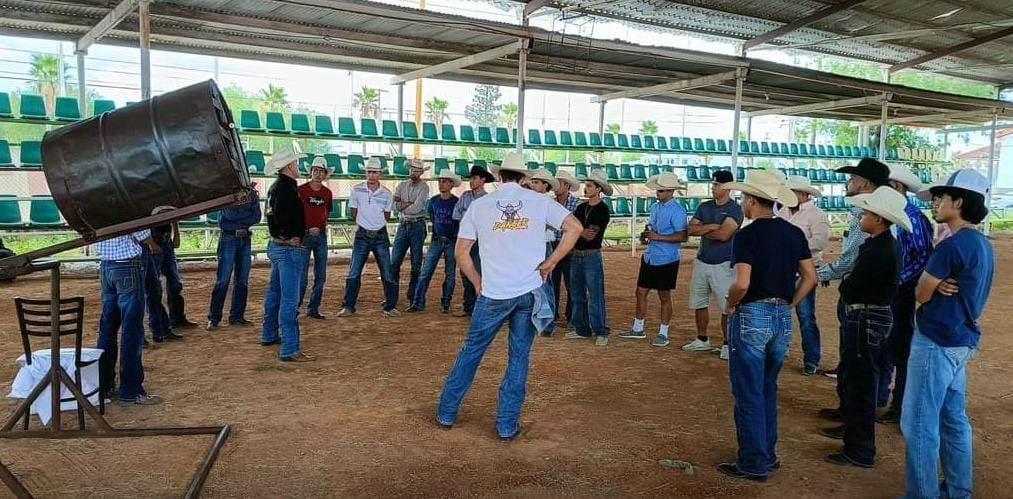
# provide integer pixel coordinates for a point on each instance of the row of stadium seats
(33, 107)
(42, 213)
(31, 154)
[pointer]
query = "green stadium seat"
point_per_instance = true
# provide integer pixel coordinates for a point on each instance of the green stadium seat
(705, 172)
(623, 207)
(337, 211)
(5, 106)
(580, 171)
(625, 172)
(722, 145)
(346, 127)
(10, 212)
(551, 167)
(639, 173)
(300, 124)
(102, 106)
(43, 212)
(467, 134)
(710, 145)
(831, 151)
(334, 163)
(783, 149)
(793, 149)
(211, 217)
(249, 121)
(534, 137)
(440, 164)
(532, 165)
(503, 136)
(33, 106)
(565, 138)
(401, 166)
(698, 145)
(636, 142)
(611, 172)
(409, 131)
(608, 140)
(31, 153)
(622, 141)
(255, 161)
(429, 133)
(194, 221)
(67, 109)
(580, 139)
(674, 144)
(644, 205)
(549, 138)
(367, 127)
(687, 144)
(356, 165)
(447, 133)
(821, 150)
(322, 125)
(649, 142)
(848, 153)
(691, 174)
(594, 140)
(839, 151)
(5, 154)
(485, 134)
(389, 129)
(461, 167)
(660, 143)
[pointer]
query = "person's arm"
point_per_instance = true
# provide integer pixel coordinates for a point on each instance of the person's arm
(820, 233)
(418, 207)
(936, 275)
(462, 254)
(571, 230)
(353, 206)
(725, 231)
(389, 208)
(458, 213)
(846, 260)
(743, 273)
(698, 228)
(807, 271)
(354, 213)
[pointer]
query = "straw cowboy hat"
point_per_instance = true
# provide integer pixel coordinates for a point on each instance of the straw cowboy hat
(545, 176)
(598, 177)
(373, 165)
(320, 162)
(665, 182)
(280, 159)
(565, 176)
(513, 162)
(416, 164)
(766, 184)
(907, 177)
(447, 174)
(885, 202)
(802, 184)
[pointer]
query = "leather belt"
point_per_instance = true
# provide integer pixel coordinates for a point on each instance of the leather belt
(414, 221)
(586, 251)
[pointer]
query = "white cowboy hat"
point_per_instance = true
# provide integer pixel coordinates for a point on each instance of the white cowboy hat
(885, 202)
(373, 165)
(966, 179)
(905, 176)
(280, 159)
(598, 177)
(320, 162)
(447, 174)
(665, 182)
(545, 176)
(565, 176)
(802, 184)
(416, 164)
(766, 184)
(513, 162)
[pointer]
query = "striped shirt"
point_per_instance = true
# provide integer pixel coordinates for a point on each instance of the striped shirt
(123, 247)
(465, 201)
(417, 194)
(571, 204)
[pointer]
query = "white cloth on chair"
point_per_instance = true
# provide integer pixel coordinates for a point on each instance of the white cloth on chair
(29, 375)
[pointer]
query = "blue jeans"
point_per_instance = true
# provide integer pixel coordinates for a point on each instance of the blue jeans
(933, 420)
(316, 247)
(173, 283)
(158, 319)
(233, 263)
(588, 280)
(809, 329)
(759, 334)
(362, 246)
(123, 312)
(470, 295)
(440, 246)
(281, 300)
(560, 276)
(409, 236)
(489, 315)
(866, 332)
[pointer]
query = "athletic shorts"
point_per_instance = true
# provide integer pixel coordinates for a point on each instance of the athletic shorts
(659, 277)
(710, 280)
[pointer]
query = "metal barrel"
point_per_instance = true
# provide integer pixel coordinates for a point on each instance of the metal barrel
(177, 149)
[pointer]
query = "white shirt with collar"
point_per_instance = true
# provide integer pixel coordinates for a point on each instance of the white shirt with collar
(371, 205)
(509, 227)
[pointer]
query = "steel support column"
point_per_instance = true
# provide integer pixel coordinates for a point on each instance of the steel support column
(739, 78)
(991, 174)
(883, 128)
(522, 70)
(82, 86)
(144, 9)
(400, 115)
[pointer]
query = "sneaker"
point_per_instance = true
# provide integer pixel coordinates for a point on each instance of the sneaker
(412, 310)
(601, 341)
(842, 459)
(240, 322)
(145, 399)
(660, 340)
(211, 326)
(392, 313)
(633, 335)
(732, 470)
(697, 346)
(835, 432)
(346, 312)
(891, 416)
(831, 373)
(299, 357)
(573, 335)
(808, 371)
(317, 315)
(724, 352)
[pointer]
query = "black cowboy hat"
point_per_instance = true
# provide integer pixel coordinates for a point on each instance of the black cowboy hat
(481, 172)
(869, 169)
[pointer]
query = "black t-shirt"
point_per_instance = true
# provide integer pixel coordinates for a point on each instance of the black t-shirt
(773, 247)
(161, 230)
(873, 281)
(592, 216)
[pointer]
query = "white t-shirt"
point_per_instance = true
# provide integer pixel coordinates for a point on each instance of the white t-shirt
(371, 206)
(509, 227)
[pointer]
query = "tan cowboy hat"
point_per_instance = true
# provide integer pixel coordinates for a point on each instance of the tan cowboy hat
(665, 182)
(320, 162)
(802, 184)
(905, 176)
(545, 176)
(448, 174)
(565, 176)
(885, 202)
(513, 162)
(416, 164)
(766, 184)
(598, 177)
(280, 159)
(373, 165)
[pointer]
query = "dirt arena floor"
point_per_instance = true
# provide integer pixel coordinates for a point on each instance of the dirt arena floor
(359, 420)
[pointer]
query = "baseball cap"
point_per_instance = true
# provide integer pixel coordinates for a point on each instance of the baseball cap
(966, 179)
(722, 176)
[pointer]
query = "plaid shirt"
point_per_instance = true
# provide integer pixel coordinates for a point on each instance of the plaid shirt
(123, 247)
(915, 246)
(845, 263)
(571, 204)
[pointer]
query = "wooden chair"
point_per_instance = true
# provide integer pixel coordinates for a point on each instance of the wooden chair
(34, 319)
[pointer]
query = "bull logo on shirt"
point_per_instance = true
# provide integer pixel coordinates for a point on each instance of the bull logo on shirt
(510, 218)
(315, 201)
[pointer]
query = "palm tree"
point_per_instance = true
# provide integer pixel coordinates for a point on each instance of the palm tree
(613, 128)
(648, 128)
(45, 69)
(436, 111)
(273, 98)
(368, 102)
(510, 113)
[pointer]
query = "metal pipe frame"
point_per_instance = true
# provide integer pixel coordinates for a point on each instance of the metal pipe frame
(991, 175)
(82, 87)
(820, 106)
(740, 78)
(522, 69)
(883, 127)
(675, 86)
(119, 13)
(463, 62)
(144, 17)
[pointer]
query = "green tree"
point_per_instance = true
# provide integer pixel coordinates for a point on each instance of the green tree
(648, 128)
(484, 109)
(368, 102)
(436, 110)
(45, 72)
(613, 128)
(510, 113)
(273, 98)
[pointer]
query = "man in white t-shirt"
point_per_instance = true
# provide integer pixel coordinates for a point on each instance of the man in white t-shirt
(509, 225)
(371, 204)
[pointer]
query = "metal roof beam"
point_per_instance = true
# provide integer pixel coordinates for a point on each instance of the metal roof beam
(106, 25)
(463, 62)
(533, 6)
(823, 13)
(821, 106)
(931, 56)
(675, 86)
(941, 116)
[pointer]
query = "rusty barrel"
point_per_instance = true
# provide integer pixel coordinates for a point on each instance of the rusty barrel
(179, 149)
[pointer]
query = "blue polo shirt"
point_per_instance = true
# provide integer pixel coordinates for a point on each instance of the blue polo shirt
(666, 219)
(952, 321)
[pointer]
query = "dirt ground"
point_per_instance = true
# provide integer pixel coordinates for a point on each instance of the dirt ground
(359, 420)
